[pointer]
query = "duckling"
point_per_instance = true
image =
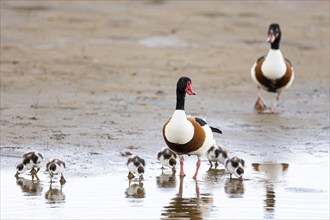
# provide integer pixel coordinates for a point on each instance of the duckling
(235, 166)
(167, 158)
(31, 161)
(216, 153)
(56, 167)
(135, 165)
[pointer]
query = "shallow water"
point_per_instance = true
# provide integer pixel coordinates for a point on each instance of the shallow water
(269, 190)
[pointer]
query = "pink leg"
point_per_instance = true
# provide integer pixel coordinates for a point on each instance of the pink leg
(181, 166)
(198, 164)
(259, 105)
(181, 187)
(276, 103)
(197, 189)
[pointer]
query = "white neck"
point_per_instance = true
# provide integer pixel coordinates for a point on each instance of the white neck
(274, 66)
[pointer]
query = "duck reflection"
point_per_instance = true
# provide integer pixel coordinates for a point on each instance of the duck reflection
(29, 187)
(166, 180)
(234, 188)
(55, 195)
(135, 190)
(190, 207)
(214, 176)
(273, 173)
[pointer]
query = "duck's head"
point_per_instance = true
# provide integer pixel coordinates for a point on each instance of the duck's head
(172, 162)
(274, 35)
(140, 170)
(20, 168)
(184, 86)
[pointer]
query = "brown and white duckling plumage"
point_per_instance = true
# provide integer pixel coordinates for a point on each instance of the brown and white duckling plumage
(187, 135)
(56, 167)
(135, 165)
(272, 72)
(167, 158)
(217, 153)
(31, 161)
(235, 165)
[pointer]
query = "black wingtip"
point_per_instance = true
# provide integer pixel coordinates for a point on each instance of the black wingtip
(216, 130)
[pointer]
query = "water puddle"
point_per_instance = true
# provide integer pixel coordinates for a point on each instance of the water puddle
(266, 192)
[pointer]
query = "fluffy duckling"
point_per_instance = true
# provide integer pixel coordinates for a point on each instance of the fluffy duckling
(167, 158)
(31, 161)
(235, 166)
(56, 167)
(135, 165)
(216, 153)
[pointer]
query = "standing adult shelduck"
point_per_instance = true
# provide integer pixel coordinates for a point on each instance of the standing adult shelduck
(272, 72)
(187, 135)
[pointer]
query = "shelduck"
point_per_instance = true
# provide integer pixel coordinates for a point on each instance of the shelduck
(187, 135)
(56, 167)
(167, 158)
(30, 161)
(272, 72)
(216, 153)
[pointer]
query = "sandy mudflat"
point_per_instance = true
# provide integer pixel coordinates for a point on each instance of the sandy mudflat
(101, 76)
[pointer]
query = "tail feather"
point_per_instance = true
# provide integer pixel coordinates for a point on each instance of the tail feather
(216, 130)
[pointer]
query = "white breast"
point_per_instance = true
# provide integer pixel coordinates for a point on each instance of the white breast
(274, 66)
(179, 130)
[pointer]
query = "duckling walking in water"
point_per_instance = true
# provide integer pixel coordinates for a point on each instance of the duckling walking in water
(56, 167)
(31, 161)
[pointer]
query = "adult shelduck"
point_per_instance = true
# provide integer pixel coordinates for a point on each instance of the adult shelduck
(272, 72)
(187, 135)
(31, 161)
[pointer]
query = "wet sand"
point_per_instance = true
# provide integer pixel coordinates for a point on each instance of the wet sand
(85, 82)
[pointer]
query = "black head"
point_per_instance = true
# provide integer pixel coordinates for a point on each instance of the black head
(240, 171)
(217, 152)
(172, 162)
(274, 35)
(184, 86)
(140, 170)
(52, 167)
(35, 158)
(20, 167)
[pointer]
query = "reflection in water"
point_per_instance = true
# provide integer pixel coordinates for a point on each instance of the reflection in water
(166, 180)
(135, 190)
(55, 195)
(272, 174)
(270, 201)
(234, 188)
(29, 187)
(189, 208)
(214, 176)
